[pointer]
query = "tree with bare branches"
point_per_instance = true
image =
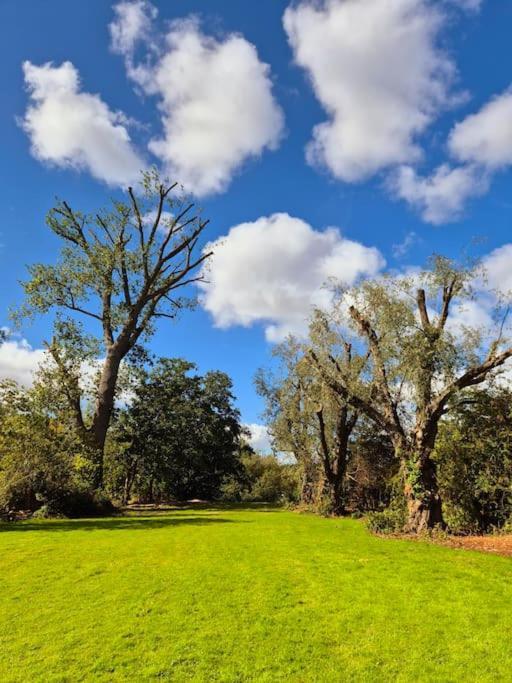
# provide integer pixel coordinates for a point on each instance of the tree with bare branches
(307, 418)
(121, 269)
(418, 358)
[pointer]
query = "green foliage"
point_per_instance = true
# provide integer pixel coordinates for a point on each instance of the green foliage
(37, 451)
(262, 479)
(474, 454)
(388, 521)
(181, 434)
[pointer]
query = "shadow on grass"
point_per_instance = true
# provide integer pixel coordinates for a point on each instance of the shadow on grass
(114, 524)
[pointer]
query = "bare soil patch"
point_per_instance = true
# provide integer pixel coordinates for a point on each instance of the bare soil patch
(500, 545)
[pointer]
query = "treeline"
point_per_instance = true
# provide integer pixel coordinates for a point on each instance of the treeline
(177, 437)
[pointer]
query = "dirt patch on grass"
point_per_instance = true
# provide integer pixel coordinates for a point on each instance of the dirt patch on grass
(500, 545)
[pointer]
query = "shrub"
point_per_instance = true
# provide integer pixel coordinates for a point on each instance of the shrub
(388, 521)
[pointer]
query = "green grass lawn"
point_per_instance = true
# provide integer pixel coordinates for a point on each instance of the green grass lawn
(245, 594)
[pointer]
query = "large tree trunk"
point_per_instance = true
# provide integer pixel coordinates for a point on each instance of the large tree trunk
(103, 410)
(424, 505)
(335, 487)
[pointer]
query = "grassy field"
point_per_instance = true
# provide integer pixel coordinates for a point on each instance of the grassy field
(246, 595)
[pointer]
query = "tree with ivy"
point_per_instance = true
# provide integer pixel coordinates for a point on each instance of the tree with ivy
(418, 359)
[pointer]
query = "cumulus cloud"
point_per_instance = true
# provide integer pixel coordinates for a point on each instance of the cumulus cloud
(442, 196)
(259, 439)
(378, 72)
(273, 270)
(215, 97)
(19, 361)
(481, 144)
(485, 138)
(71, 128)
(498, 266)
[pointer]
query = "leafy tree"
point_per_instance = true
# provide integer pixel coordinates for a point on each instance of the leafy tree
(40, 458)
(183, 433)
(474, 456)
(415, 365)
(289, 421)
(122, 269)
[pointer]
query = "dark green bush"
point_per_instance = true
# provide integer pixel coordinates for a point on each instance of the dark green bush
(389, 521)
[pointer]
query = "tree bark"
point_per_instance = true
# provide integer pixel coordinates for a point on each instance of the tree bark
(424, 504)
(103, 410)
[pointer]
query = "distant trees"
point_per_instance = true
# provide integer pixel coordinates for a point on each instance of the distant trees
(121, 269)
(263, 479)
(177, 437)
(309, 420)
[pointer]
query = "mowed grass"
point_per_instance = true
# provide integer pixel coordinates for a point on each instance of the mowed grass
(241, 594)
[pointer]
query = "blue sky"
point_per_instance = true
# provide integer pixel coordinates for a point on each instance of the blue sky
(416, 156)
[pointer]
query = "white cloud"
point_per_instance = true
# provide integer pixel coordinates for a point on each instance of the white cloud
(164, 223)
(378, 72)
(498, 266)
(402, 248)
(485, 137)
(442, 196)
(273, 271)
(19, 361)
(132, 24)
(482, 144)
(215, 98)
(70, 128)
(471, 315)
(259, 439)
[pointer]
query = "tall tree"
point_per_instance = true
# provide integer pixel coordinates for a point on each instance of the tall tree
(123, 269)
(418, 359)
(183, 433)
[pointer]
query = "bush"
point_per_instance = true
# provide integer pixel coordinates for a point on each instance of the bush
(263, 479)
(389, 521)
(474, 456)
(77, 504)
